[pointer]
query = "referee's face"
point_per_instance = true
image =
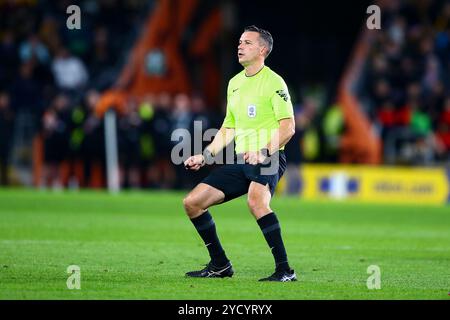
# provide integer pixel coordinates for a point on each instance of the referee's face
(250, 49)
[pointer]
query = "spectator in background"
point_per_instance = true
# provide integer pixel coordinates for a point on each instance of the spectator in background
(442, 41)
(69, 71)
(76, 136)
(303, 116)
(6, 135)
(434, 101)
(423, 148)
(200, 118)
(162, 169)
(181, 114)
(182, 119)
(433, 73)
(48, 32)
(401, 132)
(381, 91)
(100, 58)
(378, 69)
(93, 146)
(56, 137)
(26, 95)
(33, 48)
(9, 60)
(410, 70)
(129, 146)
(208, 120)
(386, 118)
(199, 112)
(333, 128)
(147, 149)
(25, 90)
(442, 21)
(35, 52)
(443, 132)
(397, 30)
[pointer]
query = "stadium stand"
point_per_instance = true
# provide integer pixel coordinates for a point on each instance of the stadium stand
(404, 85)
(392, 104)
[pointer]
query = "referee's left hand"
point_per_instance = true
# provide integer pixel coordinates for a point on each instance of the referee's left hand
(254, 157)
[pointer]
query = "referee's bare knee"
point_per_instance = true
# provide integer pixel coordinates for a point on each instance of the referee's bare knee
(193, 206)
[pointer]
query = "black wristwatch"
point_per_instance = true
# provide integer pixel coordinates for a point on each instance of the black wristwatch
(208, 157)
(265, 152)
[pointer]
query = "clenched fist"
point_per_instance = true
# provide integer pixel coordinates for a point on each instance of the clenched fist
(254, 157)
(195, 162)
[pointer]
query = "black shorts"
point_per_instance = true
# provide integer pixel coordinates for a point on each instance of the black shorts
(234, 179)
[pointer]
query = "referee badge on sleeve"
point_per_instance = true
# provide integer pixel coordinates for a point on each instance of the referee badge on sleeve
(251, 111)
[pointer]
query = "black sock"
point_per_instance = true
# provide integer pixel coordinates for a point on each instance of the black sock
(207, 229)
(270, 227)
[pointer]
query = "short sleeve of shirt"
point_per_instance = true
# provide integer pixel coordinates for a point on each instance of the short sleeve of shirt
(228, 122)
(281, 100)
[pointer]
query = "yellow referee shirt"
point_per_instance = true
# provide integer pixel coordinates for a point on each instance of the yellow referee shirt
(254, 106)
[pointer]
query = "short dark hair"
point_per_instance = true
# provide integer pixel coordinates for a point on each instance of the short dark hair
(264, 35)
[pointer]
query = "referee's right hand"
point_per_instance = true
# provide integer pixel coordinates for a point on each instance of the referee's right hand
(195, 162)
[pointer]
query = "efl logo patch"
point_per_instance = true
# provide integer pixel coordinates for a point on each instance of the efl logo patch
(283, 94)
(251, 111)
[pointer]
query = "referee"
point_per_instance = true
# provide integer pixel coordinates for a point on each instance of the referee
(259, 117)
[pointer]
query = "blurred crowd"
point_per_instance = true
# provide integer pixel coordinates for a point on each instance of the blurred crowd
(407, 84)
(74, 137)
(52, 78)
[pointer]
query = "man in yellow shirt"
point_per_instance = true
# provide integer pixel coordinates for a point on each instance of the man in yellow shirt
(259, 117)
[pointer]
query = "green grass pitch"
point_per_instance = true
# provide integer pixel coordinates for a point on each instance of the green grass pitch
(138, 245)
